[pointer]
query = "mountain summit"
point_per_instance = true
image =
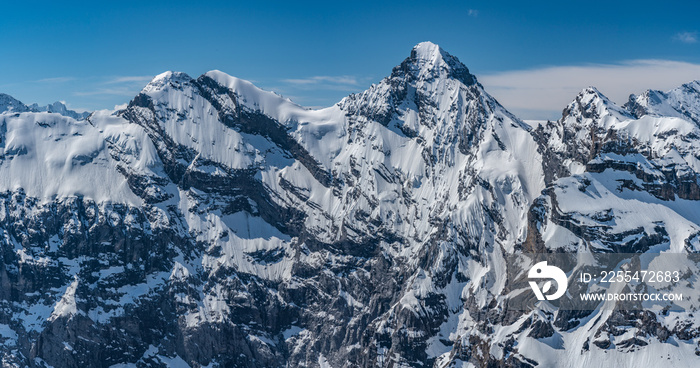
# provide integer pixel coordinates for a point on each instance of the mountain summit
(429, 61)
(683, 102)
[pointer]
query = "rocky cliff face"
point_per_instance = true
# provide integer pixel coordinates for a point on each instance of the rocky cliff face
(211, 223)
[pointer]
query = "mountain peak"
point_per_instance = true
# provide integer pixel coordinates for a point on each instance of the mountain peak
(171, 76)
(592, 104)
(681, 102)
(591, 92)
(427, 51)
(592, 96)
(162, 80)
(254, 97)
(429, 61)
(694, 84)
(9, 103)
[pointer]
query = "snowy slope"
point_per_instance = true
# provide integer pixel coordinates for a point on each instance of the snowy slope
(49, 156)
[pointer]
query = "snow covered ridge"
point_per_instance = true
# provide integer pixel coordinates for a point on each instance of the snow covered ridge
(11, 104)
(211, 223)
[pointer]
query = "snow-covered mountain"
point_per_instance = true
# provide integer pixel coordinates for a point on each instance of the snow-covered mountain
(682, 102)
(11, 104)
(211, 223)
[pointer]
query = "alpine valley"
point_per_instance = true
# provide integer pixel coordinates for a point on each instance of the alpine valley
(214, 224)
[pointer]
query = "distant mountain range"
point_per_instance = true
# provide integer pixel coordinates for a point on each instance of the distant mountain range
(11, 104)
(214, 224)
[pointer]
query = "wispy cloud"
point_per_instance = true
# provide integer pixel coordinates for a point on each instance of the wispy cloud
(122, 91)
(324, 79)
(473, 13)
(686, 37)
(320, 90)
(116, 86)
(130, 79)
(542, 93)
(55, 80)
(74, 108)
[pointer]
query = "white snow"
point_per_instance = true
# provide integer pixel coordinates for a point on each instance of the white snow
(66, 306)
(49, 156)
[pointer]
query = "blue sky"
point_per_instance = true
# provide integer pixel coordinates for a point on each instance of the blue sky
(532, 56)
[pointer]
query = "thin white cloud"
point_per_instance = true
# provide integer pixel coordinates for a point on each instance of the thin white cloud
(130, 79)
(473, 13)
(117, 86)
(55, 80)
(542, 93)
(109, 91)
(686, 37)
(324, 79)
